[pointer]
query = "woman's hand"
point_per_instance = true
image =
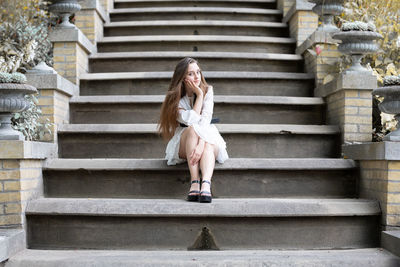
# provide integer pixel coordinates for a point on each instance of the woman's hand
(196, 89)
(196, 154)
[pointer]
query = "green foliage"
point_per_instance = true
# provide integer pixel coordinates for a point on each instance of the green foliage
(14, 77)
(24, 38)
(28, 121)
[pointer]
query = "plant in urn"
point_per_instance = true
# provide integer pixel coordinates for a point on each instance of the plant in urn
(65, 8)
(391, 102)
(12, 99)
(358, 39)
(326, 10)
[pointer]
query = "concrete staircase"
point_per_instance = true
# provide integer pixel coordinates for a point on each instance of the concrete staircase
(285, 198)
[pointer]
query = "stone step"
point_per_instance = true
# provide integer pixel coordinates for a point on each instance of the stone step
(152, 178)
(225, 83)
(243, 141)
(202, 43)
(196, 27)
(196, 13)
(226, 224)
(195, 3)
(369, 257)
(210, 61)
(229, 109)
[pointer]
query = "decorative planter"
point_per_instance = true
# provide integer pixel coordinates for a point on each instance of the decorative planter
(65, 8)
(357, 44)
(326, 10)
(390, 105)
(12, 99)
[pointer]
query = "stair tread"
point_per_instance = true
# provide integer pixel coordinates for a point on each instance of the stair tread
(196, 38)
(235, 10)
(368, 257)
(182, 54)
(207, 74)
(272, 100)
(223, 128)
(230, 207)
(216, 23)
(231, 164)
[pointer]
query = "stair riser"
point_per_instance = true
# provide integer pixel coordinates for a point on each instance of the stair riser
(239, 146)
(262, 87)
(145, 233)
(243, 4)
(209, 64)
(195, 16)
(198, 46)
(196, 30)
(176, 183)
(227, 113)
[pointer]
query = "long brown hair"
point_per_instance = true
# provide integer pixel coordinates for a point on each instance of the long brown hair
(169, 109)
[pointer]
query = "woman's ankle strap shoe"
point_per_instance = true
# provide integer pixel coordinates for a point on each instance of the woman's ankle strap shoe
(205, 196)
(194, 194)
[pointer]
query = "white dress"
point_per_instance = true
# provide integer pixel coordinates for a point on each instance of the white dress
(201, 125)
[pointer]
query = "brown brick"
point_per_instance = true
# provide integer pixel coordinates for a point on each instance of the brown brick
(394, 165)
(394, 175)
(11, 220)
(9, 197)
(11, 174)
(13, 208)
(10, 164)
(11, 186)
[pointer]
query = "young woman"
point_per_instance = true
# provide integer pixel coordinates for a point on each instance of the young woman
(186, 122)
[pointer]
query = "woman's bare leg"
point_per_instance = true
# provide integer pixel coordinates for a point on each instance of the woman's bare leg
(188, 143)
(207, 164)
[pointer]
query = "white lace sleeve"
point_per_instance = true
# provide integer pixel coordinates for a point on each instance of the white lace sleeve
(187, 116)
(208, 107)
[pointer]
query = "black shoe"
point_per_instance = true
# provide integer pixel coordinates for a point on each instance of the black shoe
(205, 196)
(195, 193)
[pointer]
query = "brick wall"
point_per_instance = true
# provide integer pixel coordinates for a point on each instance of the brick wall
(352, 111)
(302, 25)
(285, 5)
(380, 180)
(70, 60)
(21, 180)
(90, 23)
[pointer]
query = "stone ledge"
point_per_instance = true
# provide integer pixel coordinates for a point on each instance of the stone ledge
(52, 81)
(316, 37)
(231, 207)
(348, 81)
(373, 151)
(95, 4)
(62, 35)
(12, 241)
(390, 240)
(27, 150)
(299, 5)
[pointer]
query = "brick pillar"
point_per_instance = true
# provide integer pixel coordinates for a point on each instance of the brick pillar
(71, 52)
(302, 21)
(285, 5)
(54, 95)
(349, 104)
(91, 18)
(380, 177)
(20, 178)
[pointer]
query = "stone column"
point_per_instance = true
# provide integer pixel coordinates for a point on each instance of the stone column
(349, 104)
(91, 18)
(71, 52)
(380, 177)
(54, 95)
(302, 20)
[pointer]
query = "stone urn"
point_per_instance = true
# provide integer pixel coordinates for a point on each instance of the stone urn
(326, 10)
(12, 99)
(357, 44)
(64, 9)
(390, 105)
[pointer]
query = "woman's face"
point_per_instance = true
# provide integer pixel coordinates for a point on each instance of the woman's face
(194, 74)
